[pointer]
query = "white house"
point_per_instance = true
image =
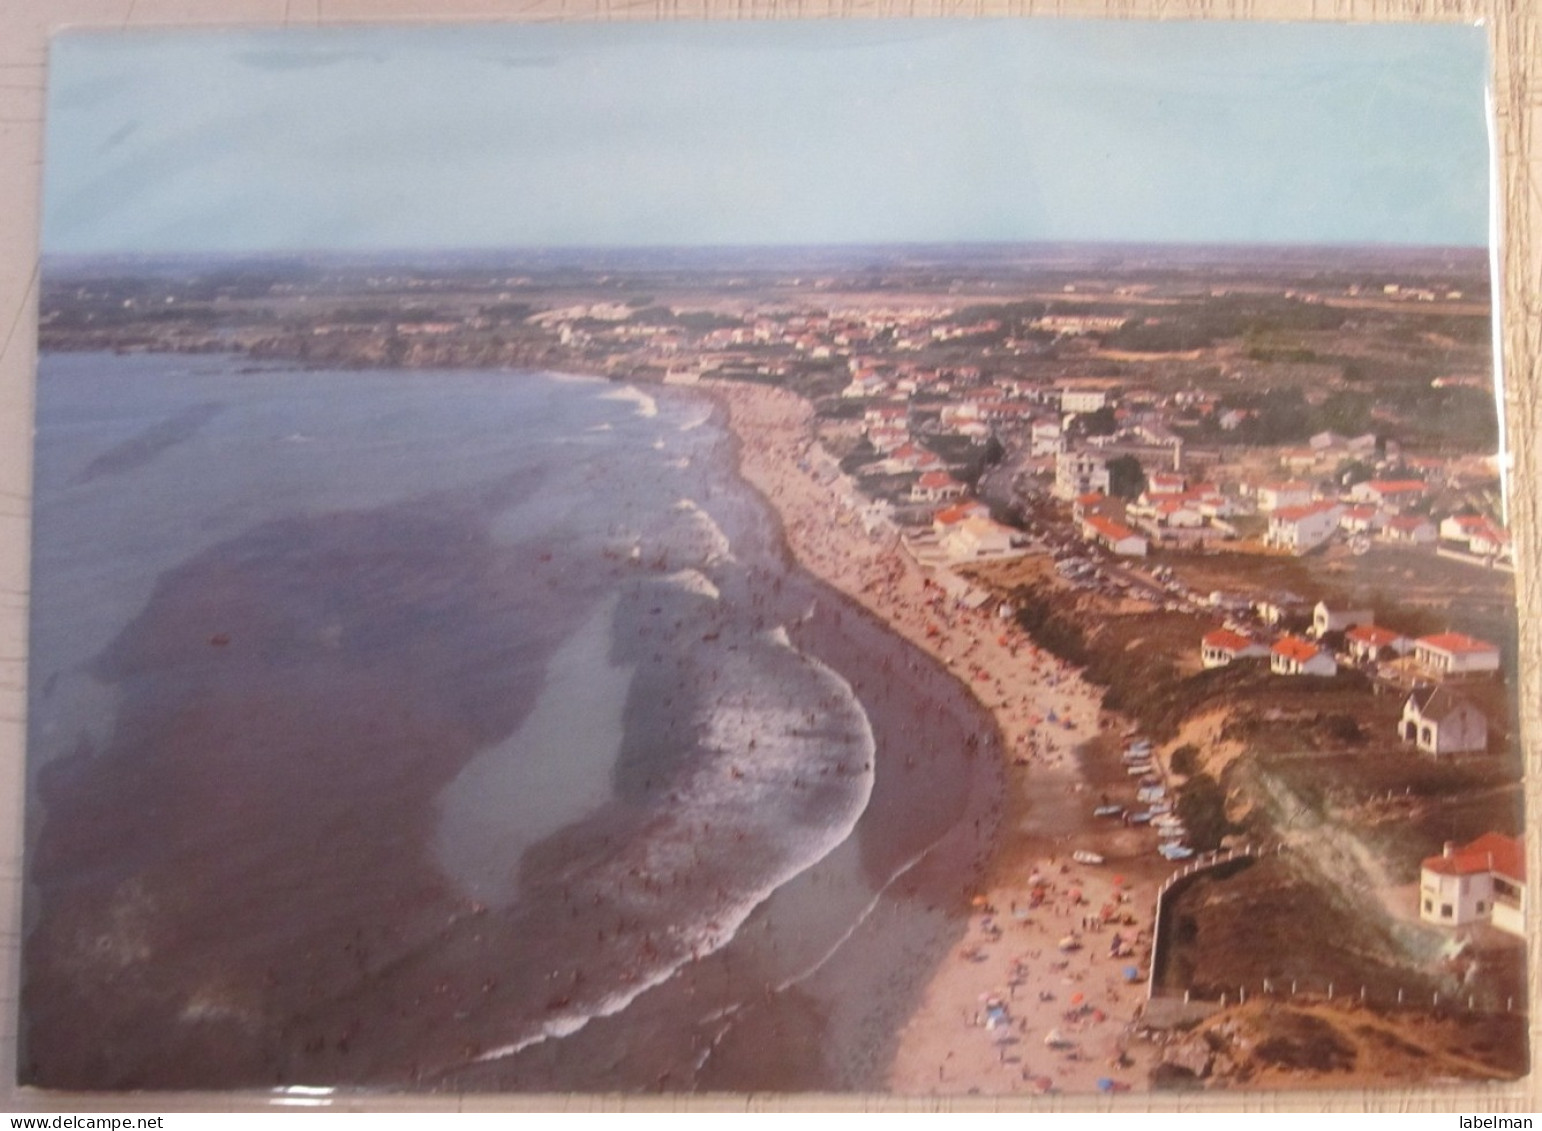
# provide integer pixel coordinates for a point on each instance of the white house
(977, 537)
(1291, 655)
(1292, 493)
(1302, 529)
(1439, 721)
(1461, 527)
(1370, 644)
(1326, 620)
(1115, 536)
(1361, 520)
(1223, 647)
(936, 487)
(1409, 529)
(1390, 493)
(949, 517)
(1455, 654)
(1477, 882)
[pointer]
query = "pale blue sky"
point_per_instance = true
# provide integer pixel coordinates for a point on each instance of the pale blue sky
(766, 133)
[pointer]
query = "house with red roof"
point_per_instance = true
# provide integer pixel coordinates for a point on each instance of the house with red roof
(1223, 647)
(1361, 520)
(1114, 536)
(1483, 881)
(1304, 528)
(1292, 493)
(1455, 654)
(936, 487)
(1371, 644)
(949, 517)
(1409, 529)
(1293, 655)
(1390, 493)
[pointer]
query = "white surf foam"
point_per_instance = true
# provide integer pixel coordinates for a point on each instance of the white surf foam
(646, 405)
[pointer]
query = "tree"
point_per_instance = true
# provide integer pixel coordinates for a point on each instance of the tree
(1126, 477)
(1099, 423)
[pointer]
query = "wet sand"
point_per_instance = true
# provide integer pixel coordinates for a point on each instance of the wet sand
(1034, 897)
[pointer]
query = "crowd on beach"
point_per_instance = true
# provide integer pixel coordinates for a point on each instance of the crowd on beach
(1042, 992)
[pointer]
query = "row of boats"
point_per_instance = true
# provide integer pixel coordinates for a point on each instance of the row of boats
(1152, 793)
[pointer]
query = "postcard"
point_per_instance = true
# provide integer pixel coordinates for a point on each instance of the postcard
(925, 557)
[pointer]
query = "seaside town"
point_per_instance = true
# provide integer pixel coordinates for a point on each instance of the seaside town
(1218, 537)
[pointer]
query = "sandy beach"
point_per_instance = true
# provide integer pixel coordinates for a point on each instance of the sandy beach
(1041, 993)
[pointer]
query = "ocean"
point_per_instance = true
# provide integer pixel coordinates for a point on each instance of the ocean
(461, 730)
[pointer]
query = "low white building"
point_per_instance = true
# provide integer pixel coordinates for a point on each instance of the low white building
(1439, 721)
(936, 487)
(977, 537)
(1291, 655)
(1292, 493)
(1392, 494)
(1224, 647)
(1371, 644)
(1114, 536)
(1484, 881)
(1455, 654)
(1325, 620)
(1302, 529)
(1409, 529)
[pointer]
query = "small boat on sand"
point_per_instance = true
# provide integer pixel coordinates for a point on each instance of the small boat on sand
(1082, 856)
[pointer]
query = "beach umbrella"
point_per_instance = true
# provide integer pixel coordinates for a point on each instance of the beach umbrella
(1105, 1084)
(1131, 974)
(1076, 999)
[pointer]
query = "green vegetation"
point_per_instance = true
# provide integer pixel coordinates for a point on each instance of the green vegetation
(1126, 478)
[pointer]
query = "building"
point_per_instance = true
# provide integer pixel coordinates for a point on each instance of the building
(936, 487)
(1082, 400)
(977, 537)
(1273, 496)
(1291, 655)
(1409, 529)
(1439, 721)
(1223, 647)
(1080, 473)
(1045, 439)
(1392, 494)
(1455, 654)
(1361, 520)
(1371, 644)
(949, 517)
(1484, 881)
(1114, 536)
(1326, 620)
(1302, 529)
